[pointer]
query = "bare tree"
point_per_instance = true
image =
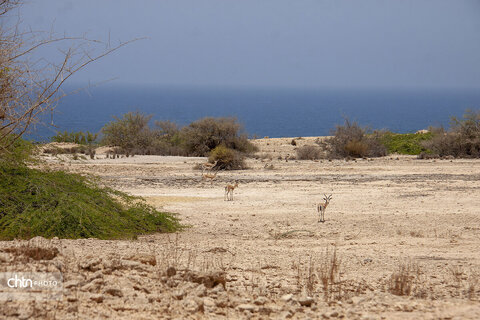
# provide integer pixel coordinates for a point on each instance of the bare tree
(29, 86)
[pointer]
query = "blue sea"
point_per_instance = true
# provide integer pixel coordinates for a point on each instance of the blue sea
(262, 111)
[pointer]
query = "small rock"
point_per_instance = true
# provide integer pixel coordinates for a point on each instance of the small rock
(97, 298)
(287, 297)
(199, 291)
(113, 291)
(97, 275)
(70, 284)
(260, 301)
(179, 294)
(144, 258)
(93, 286)
(246, 307)
(334, 314)
(209, 305)
(171, 271)
(133, 265)
(72, 308)
(91, 265)
(190, 305)
(305, 301)
(4, 257)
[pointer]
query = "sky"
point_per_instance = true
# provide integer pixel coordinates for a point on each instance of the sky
(275, 43)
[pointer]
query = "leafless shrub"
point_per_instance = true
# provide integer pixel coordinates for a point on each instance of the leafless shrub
(461, 141)
(293, 142)
(306, 277)
(427, 156)
(309, 153)
(351, 140)
(330, 276)
(407, 280)
(28, 89)
(71, 150)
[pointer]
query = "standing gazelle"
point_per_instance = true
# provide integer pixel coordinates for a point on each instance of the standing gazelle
(321, 207)
(229, 191)
(210, 176)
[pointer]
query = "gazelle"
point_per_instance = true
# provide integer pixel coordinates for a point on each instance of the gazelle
(210, 176)
(229, 191)
(321, 207)
(208, 165)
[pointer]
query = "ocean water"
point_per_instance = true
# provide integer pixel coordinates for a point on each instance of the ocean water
(263, 112)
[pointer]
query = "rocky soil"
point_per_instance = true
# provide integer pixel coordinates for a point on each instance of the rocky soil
(401, 241)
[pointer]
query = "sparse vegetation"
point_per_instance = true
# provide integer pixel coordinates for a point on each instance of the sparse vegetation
(405, 281)
(78, 137)
(351, 140)
(329, 275)
(309, 153)
(461, 141)
(134, 136)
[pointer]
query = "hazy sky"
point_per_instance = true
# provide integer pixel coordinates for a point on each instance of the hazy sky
(301, 43)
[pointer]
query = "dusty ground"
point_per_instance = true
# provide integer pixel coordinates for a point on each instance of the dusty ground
(267, 245)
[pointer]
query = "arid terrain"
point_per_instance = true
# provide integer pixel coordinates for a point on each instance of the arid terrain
(402, 237)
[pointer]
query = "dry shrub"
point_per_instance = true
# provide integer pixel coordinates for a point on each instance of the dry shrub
(461, 141)
(329, 275)
(309, 153)
(356, 148)
(427, 156)
(407, 280)
(293, 143)
(351, 140)
(72, 150)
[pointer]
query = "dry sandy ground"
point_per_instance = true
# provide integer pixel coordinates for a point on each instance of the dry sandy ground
(387, 213)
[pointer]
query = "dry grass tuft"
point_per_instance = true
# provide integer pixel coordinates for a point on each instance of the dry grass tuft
(406, 281)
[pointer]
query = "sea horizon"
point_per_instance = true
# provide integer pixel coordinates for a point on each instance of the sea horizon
(263, 111)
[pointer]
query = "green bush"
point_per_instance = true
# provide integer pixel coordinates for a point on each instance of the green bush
(133, 135)
(409, 143)
(131, 132)
(49, 204)
(19, 153)
(226, 158)
(204, 135)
